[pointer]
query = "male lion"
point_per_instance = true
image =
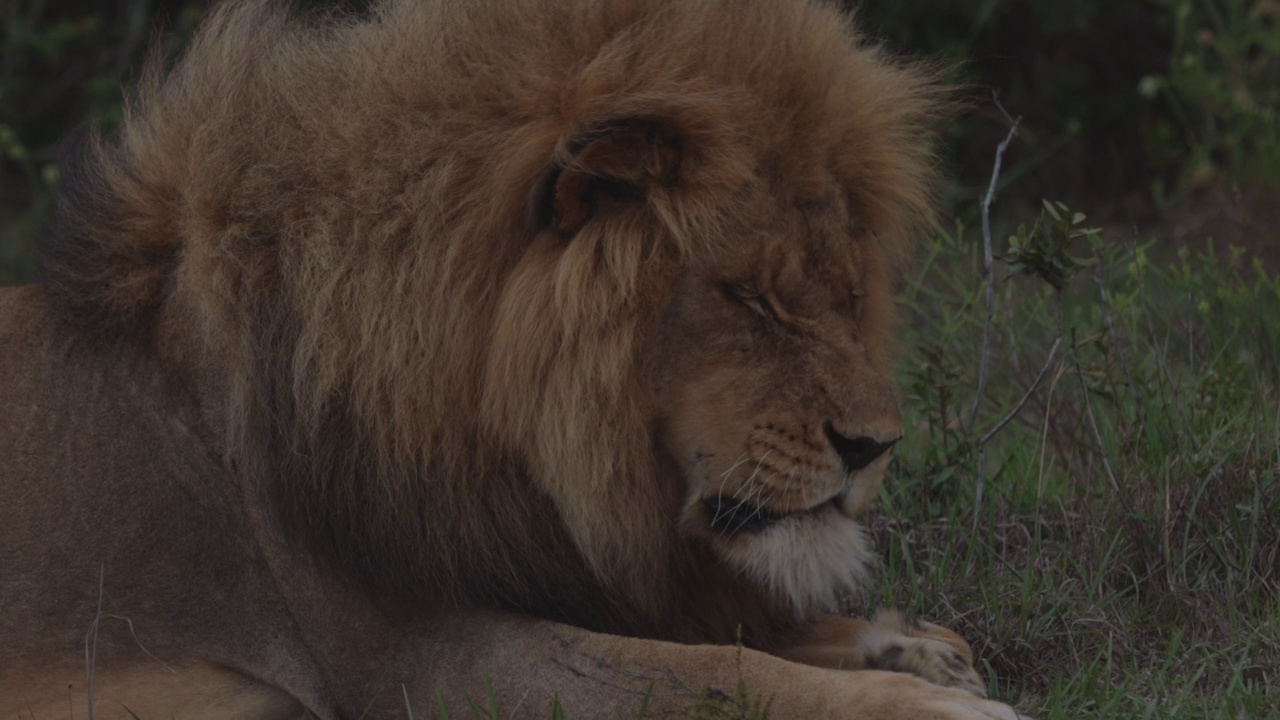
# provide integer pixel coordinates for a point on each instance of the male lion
(532, 344)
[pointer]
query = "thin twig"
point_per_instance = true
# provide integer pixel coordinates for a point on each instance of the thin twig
(988, 263)
(91, 642)
(1093, 423)
(982, 442)
(1009, 417)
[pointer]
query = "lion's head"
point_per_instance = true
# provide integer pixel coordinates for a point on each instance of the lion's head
(581, 307)
(772, 393)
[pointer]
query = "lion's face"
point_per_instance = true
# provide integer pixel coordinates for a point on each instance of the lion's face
(773, 397)
(701, 344)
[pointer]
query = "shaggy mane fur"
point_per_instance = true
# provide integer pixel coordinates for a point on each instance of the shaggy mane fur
(334, 231)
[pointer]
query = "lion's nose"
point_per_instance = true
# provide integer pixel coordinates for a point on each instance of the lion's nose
(856, 453)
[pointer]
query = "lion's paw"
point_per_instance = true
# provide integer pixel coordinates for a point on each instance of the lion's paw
(882, 695)
(922, 649)
(964, 709)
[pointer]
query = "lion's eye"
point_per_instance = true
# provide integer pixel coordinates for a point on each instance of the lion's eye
(761, 304)
(855, 303)
(755, 299)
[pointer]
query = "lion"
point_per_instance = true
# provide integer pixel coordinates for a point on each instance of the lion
(533, 351)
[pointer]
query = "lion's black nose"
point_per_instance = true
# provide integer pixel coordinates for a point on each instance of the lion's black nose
(856, 453)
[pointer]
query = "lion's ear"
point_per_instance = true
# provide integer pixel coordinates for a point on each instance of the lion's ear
(616, 162)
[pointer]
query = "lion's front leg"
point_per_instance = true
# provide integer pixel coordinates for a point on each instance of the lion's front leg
(533, 664)
(888, 642)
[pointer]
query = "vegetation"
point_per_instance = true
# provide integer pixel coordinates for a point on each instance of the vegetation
(1125, 559)
(1098, 510)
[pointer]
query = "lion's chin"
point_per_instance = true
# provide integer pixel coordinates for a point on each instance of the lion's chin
(807, 561)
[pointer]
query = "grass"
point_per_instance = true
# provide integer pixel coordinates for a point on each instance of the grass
(1126, 558)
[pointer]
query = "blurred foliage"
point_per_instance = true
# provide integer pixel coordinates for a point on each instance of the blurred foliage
(1123, 105)
(1144, 101)
(1222, 88)
(60, 63)
(1070, 70)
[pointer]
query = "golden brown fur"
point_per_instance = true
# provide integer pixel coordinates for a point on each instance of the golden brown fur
(574, 310)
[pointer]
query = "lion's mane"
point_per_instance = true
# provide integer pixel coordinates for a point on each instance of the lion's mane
(327, 228)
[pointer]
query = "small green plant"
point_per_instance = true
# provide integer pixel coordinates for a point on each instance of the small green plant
(1045, 250)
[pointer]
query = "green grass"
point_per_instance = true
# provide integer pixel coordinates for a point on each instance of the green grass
(1129, 572)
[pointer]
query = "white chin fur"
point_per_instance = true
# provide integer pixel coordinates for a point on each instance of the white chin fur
(808, 562)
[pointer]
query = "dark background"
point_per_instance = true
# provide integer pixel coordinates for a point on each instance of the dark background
(1148, 113)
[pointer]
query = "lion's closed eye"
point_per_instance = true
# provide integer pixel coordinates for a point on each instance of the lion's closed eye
(760, 301)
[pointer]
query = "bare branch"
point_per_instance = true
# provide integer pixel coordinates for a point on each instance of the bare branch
(1018, 408)
(988, 263)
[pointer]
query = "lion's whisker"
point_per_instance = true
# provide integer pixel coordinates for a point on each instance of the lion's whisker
(755, 489)
(724, 478)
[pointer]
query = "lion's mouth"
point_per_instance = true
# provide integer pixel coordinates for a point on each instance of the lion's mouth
(731, 515)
